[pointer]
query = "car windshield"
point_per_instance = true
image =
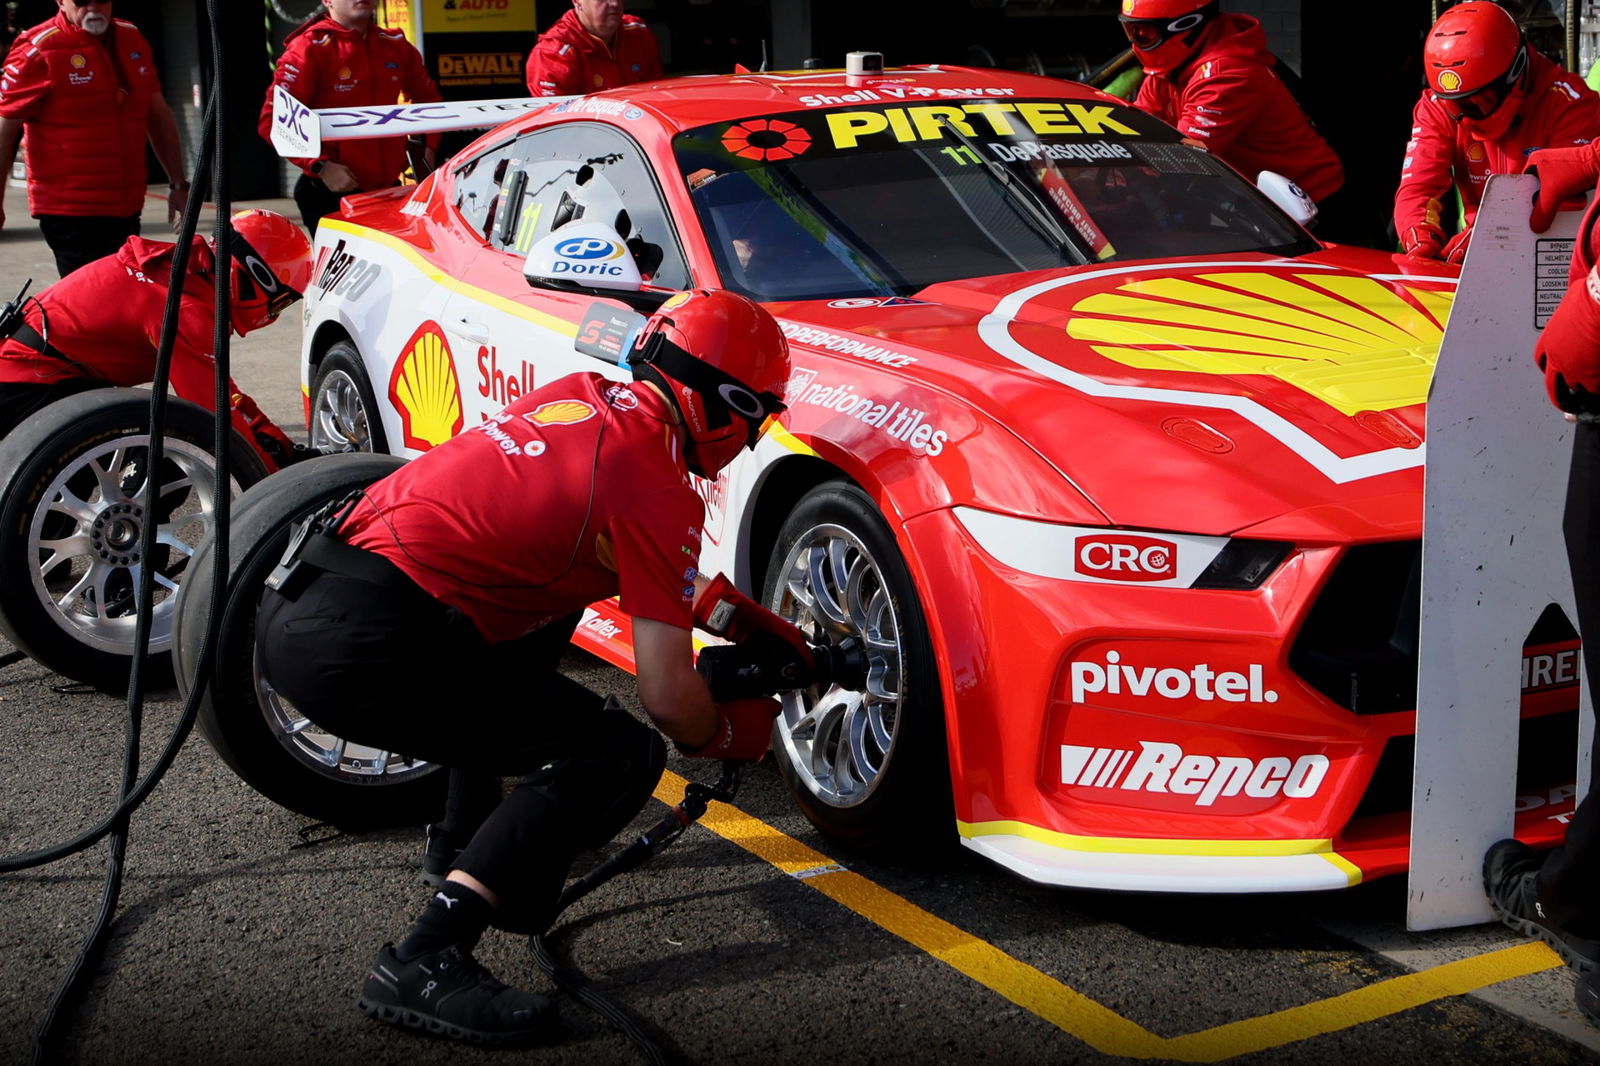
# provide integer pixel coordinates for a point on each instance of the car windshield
(888, 199)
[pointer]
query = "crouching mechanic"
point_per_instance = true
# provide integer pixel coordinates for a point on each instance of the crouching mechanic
(1557, 897)
(101, 324)
(432, 623)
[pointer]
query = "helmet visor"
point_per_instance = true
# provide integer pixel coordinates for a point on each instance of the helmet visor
(1478, 104)
(1149, 34)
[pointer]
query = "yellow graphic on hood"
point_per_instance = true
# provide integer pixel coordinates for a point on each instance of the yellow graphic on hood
(1352, 342)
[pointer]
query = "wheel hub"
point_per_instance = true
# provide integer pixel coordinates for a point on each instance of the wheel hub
(115, 533)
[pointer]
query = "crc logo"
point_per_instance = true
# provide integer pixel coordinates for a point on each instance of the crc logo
(589, 248)
(1124, 557)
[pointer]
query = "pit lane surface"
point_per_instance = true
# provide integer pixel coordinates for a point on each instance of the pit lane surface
(244, 930)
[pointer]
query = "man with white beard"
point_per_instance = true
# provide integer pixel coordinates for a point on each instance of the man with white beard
(83, 89)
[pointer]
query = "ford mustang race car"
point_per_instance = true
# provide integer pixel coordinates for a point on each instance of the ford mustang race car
(1113, 469)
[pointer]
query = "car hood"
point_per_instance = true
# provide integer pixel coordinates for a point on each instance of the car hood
(1282, 397)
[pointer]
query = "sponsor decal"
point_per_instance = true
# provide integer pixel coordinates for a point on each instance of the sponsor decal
(495, 384)
(909, 425)
(892, 92)
(78, 61)
(599, 625)
(1125, 557)
(980, 120)
(346, 275)
(1547, 671)
(1028, 151)
(423, 388)
(494, 429)
(833, 342)
(560, 413)
(622, 397)
(590, 106)
(1161, 767)
(858, 302)
(74, 78)
(588, 257)
(1202, 682)
(1352, 342)
(480, 68)
(768, 140)
(1449, 81)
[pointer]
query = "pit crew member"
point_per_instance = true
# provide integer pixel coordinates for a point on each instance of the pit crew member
(1491, 101)
(592, 47)
(432, 624)
(1556, 897)
(1212, 76)
(101, 324)
(343, 59)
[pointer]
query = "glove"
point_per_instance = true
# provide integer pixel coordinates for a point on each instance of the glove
(723, 610)
(1422, 241)
(1565, 176)
(271, 441)
(1569, 349)
(1455, 249)
(744, 729)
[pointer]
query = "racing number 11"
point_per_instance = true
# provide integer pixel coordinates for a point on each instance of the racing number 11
(962, 154)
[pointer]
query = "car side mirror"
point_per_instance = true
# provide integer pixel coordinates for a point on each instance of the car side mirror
(585, 256)
(1288, 196)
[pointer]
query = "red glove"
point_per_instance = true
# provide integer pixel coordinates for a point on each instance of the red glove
(1569, 349)
(1422, 241)
(722, 609)
(744, 729)
(1565, 177)
(1455, 249)
(271, 441)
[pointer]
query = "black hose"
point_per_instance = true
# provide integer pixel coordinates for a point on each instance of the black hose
(133, 789)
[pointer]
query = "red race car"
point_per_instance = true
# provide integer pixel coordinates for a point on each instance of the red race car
(1112, 468)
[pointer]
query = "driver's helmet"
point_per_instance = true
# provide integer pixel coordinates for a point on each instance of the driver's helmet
(723, 362)
(1477, 66)
(1165, 33)
(272, 268)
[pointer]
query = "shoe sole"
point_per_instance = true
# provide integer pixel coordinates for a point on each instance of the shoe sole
(406, 1018)
(1530, 928)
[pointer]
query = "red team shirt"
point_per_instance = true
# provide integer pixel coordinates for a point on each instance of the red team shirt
(572, 494)
(1559, 111)
(568, 59)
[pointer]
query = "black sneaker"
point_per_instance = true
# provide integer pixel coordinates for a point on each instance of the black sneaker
(1588, 995)
(449, 993)
(1510, 877)
(439, 855)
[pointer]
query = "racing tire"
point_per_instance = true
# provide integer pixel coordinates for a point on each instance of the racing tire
(868, 766)
(344, 410)
(72, 479)
(275, 749)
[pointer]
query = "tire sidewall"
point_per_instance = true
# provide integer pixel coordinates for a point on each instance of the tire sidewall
(343, 356)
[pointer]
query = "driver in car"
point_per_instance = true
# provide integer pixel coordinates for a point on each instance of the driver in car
(101, 324)
(431, 623)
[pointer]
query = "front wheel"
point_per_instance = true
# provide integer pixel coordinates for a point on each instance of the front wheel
(72, 518)
(867, 766)
(277, 750)
(344, 410)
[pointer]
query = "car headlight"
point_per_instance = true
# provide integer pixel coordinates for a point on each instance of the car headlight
(1100, 555)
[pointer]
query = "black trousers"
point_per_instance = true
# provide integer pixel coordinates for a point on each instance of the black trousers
(396, 669)
(79, 239)
(19, 402)
(1569, 881)
(314, 200)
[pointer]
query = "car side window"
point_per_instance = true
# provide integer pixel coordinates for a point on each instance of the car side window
(477, 185)
(584, 171)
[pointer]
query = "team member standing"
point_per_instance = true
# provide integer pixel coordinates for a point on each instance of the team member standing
(338, 59)
(592, 47)
(1491, 101)
(83, 89)
(102, 324)
(1212, 76)
(1557, 897)
(433, 626)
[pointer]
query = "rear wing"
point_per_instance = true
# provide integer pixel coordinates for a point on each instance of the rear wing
(298, 131)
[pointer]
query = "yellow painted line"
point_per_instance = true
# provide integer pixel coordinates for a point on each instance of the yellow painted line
(1074, 1013)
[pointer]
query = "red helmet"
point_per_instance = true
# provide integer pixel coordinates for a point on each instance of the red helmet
(723, 361)
(272, 267)
(1477, 65)
(1164, 33)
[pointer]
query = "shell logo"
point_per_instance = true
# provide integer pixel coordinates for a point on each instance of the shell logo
(1477, 152)
(1352, 342)
(78, 62)
(560, 413)
(1449, 81)
(1127, 7)
(423, 388)
(344, 74)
